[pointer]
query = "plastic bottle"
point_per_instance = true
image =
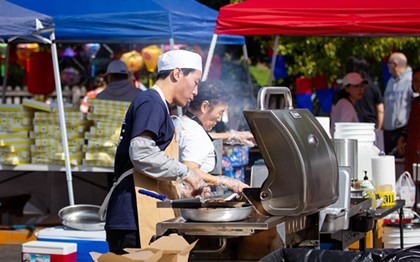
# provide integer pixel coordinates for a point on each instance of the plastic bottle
(369, 189)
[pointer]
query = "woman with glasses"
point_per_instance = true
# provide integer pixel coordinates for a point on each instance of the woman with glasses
(196, 148)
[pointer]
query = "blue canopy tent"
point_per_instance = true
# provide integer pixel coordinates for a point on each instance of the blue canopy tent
(131, 21)
(18, 23)
(128, 21)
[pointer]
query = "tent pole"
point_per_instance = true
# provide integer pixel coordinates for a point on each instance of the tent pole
(171, 43)
(248, 73)
(209, 57)
(273, 59)
(6, 72)
(62, 118)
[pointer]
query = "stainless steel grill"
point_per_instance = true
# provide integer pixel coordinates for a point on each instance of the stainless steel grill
(300, 160)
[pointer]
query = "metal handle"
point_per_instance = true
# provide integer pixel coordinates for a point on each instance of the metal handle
(176, 203)
(265, 92)
(222, 246)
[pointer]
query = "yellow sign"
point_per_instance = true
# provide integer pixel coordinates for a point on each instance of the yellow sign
(389, 198)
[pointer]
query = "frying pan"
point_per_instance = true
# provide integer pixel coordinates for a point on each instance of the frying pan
(82, 217)
(216, 214)
(224, 200)
(206, 209)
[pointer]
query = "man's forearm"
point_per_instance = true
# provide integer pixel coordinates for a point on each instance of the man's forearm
(149, 159)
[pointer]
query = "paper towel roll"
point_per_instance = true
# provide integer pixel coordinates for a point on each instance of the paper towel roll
(383, 171)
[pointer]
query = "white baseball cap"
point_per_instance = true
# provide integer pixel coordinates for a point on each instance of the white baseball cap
(181, 59)
(117, 67)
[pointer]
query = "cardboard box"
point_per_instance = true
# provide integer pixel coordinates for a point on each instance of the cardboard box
(42, 251)
(172, 248)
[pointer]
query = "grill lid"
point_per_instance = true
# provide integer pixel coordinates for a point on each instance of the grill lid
(299, 155)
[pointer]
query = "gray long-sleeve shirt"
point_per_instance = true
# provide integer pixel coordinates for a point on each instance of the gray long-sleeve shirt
(397, 101)
(148, 158)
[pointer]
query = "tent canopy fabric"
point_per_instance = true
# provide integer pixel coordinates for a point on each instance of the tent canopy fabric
(19, 21)
(321, 17)
(130, 21)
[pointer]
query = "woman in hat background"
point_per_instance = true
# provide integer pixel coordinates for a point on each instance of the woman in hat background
(351, 91)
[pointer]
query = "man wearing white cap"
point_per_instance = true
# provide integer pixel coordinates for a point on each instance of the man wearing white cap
(145, 133)
(352, 91)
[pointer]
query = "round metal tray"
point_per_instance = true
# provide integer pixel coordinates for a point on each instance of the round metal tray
(82, 217)
(216, 214)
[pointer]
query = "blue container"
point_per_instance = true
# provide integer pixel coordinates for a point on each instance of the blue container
(235, 172)
(237, 155)
(87, 241)
(83, 247)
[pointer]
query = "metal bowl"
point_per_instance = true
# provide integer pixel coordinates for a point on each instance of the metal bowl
(216, 214)
(82, 217)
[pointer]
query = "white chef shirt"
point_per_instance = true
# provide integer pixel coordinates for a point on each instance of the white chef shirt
(195, 144)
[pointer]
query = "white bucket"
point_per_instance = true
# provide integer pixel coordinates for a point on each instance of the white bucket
(359, 137)
(354, 125)
(391, 237)
(365, 135)
(325, 123)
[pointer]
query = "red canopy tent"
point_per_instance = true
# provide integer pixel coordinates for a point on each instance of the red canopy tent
(319, 18)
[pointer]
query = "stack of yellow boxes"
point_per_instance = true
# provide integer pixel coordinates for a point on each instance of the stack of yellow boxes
(48, 147)
(102, 138)
(15, 124)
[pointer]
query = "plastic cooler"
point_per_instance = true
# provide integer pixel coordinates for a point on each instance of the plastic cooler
(87, 241)
(35, 251)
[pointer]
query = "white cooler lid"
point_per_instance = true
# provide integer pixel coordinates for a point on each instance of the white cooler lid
(61, 232)
(45, 247)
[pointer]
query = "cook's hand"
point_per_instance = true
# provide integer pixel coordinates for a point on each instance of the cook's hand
(194, 185)
(232, 184)
(243, 138)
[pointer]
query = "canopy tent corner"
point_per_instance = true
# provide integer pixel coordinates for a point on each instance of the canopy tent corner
(24, 24)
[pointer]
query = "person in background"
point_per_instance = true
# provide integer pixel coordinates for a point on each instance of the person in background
(397, 100)
(409, 142)
(98, 86)
(351, 91)
(119, 83)
(370, 108)
(145, 133)
(196, 148)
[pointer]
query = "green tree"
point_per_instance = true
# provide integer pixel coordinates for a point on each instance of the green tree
(311, 56)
